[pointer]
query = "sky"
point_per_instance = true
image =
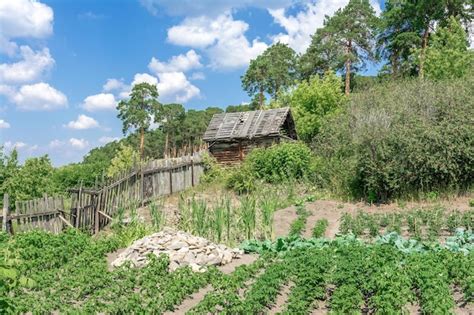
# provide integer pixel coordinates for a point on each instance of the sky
(65, 64)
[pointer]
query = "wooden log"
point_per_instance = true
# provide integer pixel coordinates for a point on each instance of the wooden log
(105, 215)
(65, 221)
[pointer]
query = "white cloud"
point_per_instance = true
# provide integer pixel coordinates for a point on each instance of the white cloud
(83, 122)
(144, 78)
(32, 66)
(4, 124)
(101, 101)
(23, 19)
(174, 87)
(39, 96)
(197, 76)
(105, 139)
(114, 85)
(177, 63)
(301, 26)
(56, 143)
(79, 144)
(9, 145)
(222, 38)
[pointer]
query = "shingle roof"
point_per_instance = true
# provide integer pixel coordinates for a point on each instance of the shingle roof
(246, 125)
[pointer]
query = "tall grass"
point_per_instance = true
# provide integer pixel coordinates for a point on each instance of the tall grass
(248, 215)
(158, 217)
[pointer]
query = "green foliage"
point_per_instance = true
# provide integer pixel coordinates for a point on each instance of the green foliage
(408, 137)
(271, 72)
(279, 163)
(157, 214)
(298, 225)
(213, 172)
(137, 111)
(31, 180)
(448, 56)
(320, 228)
(352, 28)
(313, 101)
(123, 161)
(427, 224)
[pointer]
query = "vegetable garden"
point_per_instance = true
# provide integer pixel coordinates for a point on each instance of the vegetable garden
(68, 273)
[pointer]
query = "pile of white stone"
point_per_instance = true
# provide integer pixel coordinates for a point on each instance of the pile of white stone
(182, 248)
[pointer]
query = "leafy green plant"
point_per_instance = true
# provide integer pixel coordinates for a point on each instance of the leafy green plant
(320, 228)
(298, 225)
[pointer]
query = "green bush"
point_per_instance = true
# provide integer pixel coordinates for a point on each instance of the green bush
(279, 163)
(401, 138)
(212, 170)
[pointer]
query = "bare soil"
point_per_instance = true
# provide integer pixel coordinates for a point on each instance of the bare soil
(281, 299)
(332, 211)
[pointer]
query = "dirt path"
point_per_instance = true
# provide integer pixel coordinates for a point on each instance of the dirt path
(197, 297)
(281, 299)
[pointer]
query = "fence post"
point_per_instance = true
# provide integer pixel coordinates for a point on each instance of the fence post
(142, 190)
(6, 224)
(171, 180)
(192, 171)
(96, 212)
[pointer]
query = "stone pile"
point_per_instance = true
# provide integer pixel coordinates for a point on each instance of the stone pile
(182, 248)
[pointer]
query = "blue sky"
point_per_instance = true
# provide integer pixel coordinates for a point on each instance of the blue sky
(65, 64)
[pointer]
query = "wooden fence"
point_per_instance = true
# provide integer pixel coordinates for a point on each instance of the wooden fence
(45, 213)
(93, 209)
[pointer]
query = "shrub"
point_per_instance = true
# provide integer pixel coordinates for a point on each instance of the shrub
(279, 163)
(212, 170)
(401, 138)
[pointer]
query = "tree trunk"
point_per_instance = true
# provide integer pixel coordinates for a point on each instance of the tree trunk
(348, 69)
(142, 142)
(395, 64)
(424, 43)
(260, 98)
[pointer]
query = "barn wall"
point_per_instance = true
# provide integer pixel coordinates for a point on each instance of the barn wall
(234, 152)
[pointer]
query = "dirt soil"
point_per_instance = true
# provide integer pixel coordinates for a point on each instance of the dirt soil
(332, 211)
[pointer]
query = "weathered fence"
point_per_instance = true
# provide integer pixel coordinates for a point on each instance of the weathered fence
(93, 208)
(45, 213)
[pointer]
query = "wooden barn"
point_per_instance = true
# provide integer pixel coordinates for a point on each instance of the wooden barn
(231, 136)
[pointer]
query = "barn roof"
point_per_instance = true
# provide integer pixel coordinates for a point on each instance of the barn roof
(247, 125)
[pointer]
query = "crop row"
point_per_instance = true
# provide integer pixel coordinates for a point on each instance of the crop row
(418, 223)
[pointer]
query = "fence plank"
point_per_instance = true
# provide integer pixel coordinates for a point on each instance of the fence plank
(6, 212)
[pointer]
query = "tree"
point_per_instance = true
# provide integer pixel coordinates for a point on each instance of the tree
(353, 29)
(255, 80)
(136, 112)
(321, 56)
(171, 120)
(406, 25)
(447, 56)
(123, 161)
(282, 70)
(312, 101)
(270, 72)
(31, 180)
(396, 39)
